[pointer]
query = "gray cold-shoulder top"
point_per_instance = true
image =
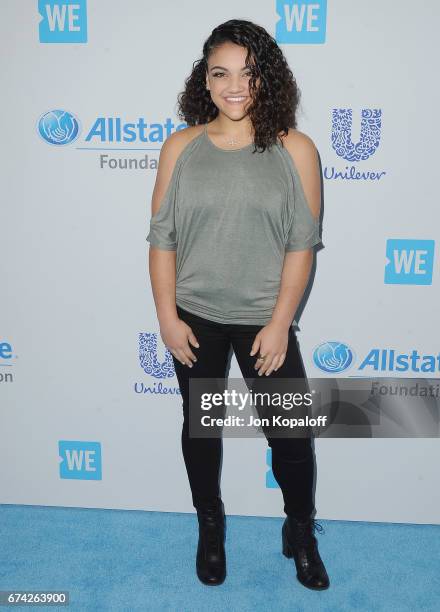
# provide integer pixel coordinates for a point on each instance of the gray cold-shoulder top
(231, 215)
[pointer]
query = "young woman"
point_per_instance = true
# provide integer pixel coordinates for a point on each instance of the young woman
(235, 214)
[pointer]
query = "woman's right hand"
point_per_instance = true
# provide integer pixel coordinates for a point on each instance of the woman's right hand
(176, 336)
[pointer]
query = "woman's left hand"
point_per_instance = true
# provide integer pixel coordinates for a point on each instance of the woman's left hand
(270, 342)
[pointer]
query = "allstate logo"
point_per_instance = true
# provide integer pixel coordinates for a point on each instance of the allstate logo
(58, 127)
(333, 356)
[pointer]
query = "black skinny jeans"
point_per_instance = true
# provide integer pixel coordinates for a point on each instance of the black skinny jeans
(292, 458)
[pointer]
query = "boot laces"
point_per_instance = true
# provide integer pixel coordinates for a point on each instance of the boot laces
(212, 534)
(306, 529)
(212, 539)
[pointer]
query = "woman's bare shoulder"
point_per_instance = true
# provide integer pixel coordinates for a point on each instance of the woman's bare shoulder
(301, 147)
(303, 151)
(177, 141)
(299, 141)
(169, 154)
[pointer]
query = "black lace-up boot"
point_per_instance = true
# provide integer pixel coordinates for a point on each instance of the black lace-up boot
(300, 543)
(211, 557)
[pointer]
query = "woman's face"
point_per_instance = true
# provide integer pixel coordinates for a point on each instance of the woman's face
(228, 80)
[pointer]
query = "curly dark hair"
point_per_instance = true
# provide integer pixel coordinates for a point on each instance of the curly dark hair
(274, 103)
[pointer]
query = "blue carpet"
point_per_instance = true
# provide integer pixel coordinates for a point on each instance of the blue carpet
(134, 560)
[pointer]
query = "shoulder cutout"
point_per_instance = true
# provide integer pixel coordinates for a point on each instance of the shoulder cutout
(303, 151)
(169, 154)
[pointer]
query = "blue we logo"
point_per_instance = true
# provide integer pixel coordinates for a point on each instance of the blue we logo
(301, 22)
(63, 22)
(80, 460)
(271, 483)
(409, 262)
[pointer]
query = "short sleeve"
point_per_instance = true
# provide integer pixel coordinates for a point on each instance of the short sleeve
(162, 234)
(304, 230)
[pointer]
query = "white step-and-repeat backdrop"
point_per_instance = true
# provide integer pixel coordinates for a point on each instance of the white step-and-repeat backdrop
(90, 407)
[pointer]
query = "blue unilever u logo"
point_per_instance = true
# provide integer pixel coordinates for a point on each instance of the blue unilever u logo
(369, 134)
(333, 357)
(58, 127)
(301, 21)
(63, 22)
(149, 359)
(409, 262)
(80, 460)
